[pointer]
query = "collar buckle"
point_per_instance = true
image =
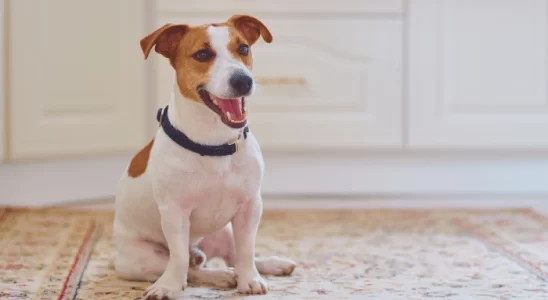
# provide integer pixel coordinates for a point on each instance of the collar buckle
(235, 142)
(160, 116)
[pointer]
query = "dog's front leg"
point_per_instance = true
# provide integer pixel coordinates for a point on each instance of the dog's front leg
(175, 224)
(244, 225)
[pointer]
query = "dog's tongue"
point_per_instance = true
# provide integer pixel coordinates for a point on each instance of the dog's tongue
(233, 106)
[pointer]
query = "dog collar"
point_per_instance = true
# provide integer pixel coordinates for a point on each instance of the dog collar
(184, 141)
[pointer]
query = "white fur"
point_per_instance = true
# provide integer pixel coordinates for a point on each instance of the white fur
(225, 64)
(183, 197)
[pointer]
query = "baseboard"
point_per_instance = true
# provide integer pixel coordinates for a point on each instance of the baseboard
(540, 203)
(318, 175)
(50, 183)
(404, 174)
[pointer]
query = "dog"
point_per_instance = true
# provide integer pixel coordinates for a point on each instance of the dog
(194, 192)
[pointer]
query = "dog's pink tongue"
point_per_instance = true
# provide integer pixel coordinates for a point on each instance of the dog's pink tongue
(233, 106)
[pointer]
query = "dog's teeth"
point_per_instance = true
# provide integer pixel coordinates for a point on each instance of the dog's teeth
(229, 117)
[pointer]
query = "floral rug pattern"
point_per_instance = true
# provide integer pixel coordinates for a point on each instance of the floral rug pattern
(364, 254)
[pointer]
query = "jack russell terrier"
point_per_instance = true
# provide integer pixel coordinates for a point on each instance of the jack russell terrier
(195, 190)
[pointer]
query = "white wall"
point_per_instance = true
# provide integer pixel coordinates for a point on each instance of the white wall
(2, 78)
(372, 175)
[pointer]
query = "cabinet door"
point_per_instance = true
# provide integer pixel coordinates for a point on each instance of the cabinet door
(75, 77)
(326, 81)
(478, 74)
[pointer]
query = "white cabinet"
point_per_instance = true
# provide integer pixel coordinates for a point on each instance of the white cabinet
(76, 78)
(331, 79)
(342, 75)
(478, 74)
(351, 76)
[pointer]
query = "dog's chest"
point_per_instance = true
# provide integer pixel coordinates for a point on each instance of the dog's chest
(220, 197)
(213, 188)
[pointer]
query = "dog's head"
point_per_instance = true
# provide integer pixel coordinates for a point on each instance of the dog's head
(213, 62)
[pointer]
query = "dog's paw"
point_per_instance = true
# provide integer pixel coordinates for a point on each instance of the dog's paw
(164, 289)
(223, 279)
(275, 266)
(252, 285)
(220, 278)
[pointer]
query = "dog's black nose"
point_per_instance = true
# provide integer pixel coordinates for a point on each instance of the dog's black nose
(241, 83)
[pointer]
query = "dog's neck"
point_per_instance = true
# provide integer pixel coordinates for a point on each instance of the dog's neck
(197, 121)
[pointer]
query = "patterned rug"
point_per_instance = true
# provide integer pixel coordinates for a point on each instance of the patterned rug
(373, 254)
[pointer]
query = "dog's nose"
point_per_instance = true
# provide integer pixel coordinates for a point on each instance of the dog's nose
(241, 83)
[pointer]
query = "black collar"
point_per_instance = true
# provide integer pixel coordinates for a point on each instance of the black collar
(182, 140)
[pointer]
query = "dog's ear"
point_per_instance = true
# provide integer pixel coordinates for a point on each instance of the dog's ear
(166, 39)
(251, 28)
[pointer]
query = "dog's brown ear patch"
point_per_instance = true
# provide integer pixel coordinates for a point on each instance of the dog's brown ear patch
(139, 163)
(165, 39)
(251, 28)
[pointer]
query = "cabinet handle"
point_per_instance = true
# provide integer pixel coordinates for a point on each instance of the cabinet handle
(281, 81)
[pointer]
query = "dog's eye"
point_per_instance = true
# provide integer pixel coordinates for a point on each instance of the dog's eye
(243, 50)
(203, 55)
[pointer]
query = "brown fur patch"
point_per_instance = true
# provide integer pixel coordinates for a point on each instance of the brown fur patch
(165, 39)
(251, 28)
(190, 72)
(139, 162)
(236, 39)
(179, 42)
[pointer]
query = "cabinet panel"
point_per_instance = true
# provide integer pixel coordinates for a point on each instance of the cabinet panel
(76, 78)
(478, 74)
(324, 83)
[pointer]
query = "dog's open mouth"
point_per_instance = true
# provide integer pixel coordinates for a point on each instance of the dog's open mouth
(231, 111)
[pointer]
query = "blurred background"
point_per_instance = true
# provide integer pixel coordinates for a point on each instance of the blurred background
(359, 100)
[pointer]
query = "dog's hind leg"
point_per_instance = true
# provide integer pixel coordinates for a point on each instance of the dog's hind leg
(146, 261)
(221, 244)
(139, 260)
